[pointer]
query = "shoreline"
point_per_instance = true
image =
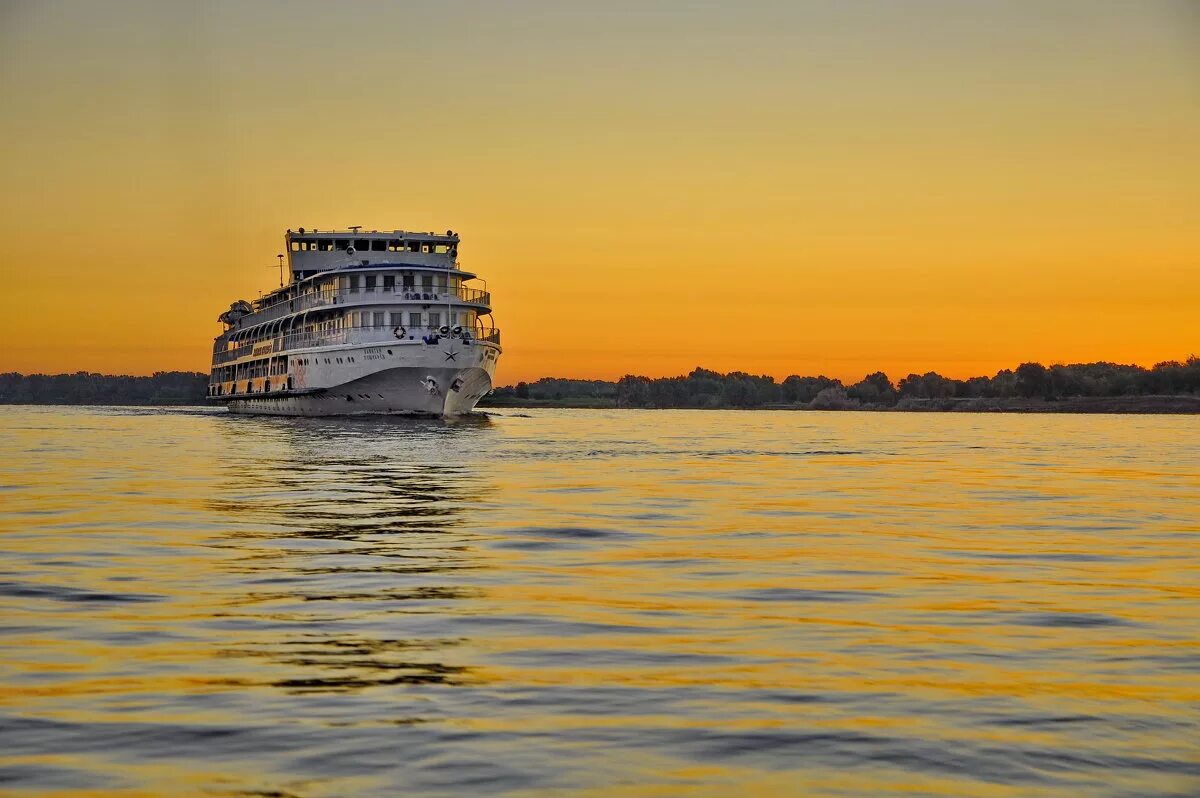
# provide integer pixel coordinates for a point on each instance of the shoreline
(1184, 404)
(1168, 388)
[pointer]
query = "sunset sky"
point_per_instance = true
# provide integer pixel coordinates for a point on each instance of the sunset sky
(774, 187)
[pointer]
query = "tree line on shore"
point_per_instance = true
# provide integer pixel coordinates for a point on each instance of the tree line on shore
(85, 388)
(699, 389)
(709, 389)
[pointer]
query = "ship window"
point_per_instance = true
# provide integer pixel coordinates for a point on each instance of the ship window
(325, 245)
(362, 245)
(370, 281)
(427, 282)
(395, 246)
(354, 283)
(379, 319)
(389, 282)
(442, 249)
(295, 246)
(409, 281)
(379, 245)
(414, 319)
(397, 319)
(435, 319)
(414, 246)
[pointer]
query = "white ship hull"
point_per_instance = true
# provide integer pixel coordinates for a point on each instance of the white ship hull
(445, 379)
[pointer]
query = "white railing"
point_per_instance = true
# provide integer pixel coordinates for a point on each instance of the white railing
(282, 344)
(360, 296)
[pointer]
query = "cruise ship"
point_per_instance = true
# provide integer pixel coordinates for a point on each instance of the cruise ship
(369, 322)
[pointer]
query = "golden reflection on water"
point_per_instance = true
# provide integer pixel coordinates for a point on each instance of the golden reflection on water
(591, 602)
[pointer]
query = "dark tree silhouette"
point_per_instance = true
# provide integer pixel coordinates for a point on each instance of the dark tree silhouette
(1033, 379)
(699, 389)
(83, 388)
(874, 389)
(710, 389)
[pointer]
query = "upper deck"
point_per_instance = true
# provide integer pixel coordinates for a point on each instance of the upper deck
(311, 252)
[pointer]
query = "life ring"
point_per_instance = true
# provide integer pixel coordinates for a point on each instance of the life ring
(400, 333)
(457, 330)
(444, 330)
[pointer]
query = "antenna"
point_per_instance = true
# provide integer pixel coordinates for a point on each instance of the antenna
(280, 256)
(355, 227)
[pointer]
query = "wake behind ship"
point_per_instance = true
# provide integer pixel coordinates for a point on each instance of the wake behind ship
(378, 322)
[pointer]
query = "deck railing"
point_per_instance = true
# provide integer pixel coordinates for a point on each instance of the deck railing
(362, 295)
(282, 344)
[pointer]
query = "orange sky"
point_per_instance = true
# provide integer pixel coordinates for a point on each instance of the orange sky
(778, 188)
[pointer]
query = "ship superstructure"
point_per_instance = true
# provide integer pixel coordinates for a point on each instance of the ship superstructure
(370, 322)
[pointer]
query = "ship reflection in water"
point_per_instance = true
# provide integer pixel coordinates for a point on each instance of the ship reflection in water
(363, 530)
(598, 603)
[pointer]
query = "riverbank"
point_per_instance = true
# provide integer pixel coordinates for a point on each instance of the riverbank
(1180, 405)
(1169, 387)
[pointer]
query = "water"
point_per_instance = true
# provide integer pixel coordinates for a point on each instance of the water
(587, 603)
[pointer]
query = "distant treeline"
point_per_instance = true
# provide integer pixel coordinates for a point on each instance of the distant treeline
(83, 388)
(700, 389)
(710, 389)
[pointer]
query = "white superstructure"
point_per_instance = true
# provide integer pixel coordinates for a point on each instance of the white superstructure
(371, 322)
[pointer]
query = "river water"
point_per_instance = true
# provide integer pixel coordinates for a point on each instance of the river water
(599, 603)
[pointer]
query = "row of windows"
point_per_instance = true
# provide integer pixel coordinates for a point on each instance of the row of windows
(266, 387)
(266, 367)
(431, 287)
(414, 319)
(367, 245)
(312, 361)
(407, 282)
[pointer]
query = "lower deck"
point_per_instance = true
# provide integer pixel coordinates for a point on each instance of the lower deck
(438, 375)
(403, 390)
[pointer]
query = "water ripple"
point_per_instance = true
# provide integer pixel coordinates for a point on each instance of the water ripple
(585, 603)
